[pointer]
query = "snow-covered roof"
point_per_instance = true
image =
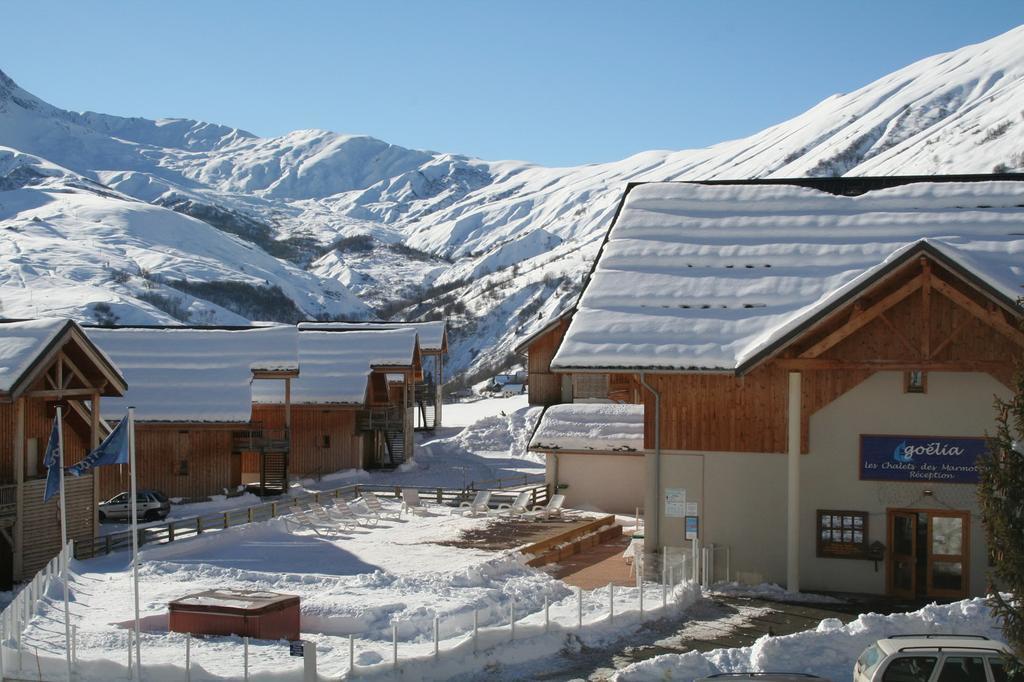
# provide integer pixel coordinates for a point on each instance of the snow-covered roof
(192, 375)
(706, 277)
(21, 343)
(334, 365)
(432, 335)
(598, 427)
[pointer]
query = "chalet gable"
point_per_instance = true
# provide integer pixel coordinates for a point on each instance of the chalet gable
(54, 359)
(924, 311)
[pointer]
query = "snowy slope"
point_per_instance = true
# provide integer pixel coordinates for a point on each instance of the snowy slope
(72, 248)
(508, 241)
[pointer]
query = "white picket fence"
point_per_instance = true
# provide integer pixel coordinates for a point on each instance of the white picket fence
(16, 655)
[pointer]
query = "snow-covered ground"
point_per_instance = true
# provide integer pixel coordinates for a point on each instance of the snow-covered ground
(830, 650)
(359, 582)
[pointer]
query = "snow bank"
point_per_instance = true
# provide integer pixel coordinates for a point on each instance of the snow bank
(604, 427)
(830, 650)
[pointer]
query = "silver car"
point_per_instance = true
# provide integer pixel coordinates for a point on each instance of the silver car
(151, 505)
(933, 658)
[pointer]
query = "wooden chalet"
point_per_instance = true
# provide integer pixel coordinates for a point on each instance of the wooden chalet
(433, 344)
(45, 363)
(345, 412)
(817, 360)
(548, 387)
(192, 392)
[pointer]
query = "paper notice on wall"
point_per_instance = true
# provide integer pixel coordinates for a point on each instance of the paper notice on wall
(691, 509)
(675, 502)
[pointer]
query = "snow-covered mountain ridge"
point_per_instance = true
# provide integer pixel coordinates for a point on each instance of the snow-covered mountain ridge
(499, 246)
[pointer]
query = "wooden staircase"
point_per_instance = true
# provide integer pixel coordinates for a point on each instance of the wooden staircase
(554, 549)
(273, 473)
(272, 446)
(426, 406)
(390, 424)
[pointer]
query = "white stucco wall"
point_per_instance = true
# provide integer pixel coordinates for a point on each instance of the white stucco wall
(608, 483)
(956, 404)
(742, 496)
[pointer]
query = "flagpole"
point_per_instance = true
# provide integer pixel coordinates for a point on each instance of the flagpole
(64, 537)
(135, 538)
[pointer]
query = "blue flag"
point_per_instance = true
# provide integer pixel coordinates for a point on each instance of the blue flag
(52, 460)
(113, 450)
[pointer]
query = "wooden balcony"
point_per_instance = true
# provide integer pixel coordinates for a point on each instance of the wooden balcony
(264, 441)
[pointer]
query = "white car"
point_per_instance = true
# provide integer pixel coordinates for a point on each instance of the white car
(151, 505)
(933, 658)
(762, 677)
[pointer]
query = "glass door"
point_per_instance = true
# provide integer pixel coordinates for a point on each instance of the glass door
(902, 573)
(948, 553)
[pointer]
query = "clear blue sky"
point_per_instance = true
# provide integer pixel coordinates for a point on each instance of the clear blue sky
(557, 82)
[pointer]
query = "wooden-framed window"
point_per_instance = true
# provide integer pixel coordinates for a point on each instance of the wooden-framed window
(842, 534)
(181, 467)
(590, 386)
(915, 381)
(325, 442)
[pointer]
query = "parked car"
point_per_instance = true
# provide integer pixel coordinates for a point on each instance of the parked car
(763, 677)
(151, 505)
(933, 658)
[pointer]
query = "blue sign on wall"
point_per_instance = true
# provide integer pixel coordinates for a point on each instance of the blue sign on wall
(920, 459)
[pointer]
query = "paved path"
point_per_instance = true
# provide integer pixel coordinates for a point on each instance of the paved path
(711, 623)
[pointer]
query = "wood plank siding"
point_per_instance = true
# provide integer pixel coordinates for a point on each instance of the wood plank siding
(191, 461)
(324, 438)
(42, 520)
(945, 326)
(545, 386)
(38, 422)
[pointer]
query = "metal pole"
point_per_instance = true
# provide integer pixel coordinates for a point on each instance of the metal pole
(394, 646)
(135, 537)
(63, 538)
(611, 602)
(476, 627)
(351, 656)
(245, 658)
(436, 633)
(579, 608)
(188, 657)
(547, 616)
(130, 674)
(74, 646)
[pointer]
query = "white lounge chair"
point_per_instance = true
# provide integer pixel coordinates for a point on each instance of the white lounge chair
(481, 504)
(518, 507)
(330, 516)
(303, 520)
(553, 509)
(411, 502)
(375, 506)
(342, 512)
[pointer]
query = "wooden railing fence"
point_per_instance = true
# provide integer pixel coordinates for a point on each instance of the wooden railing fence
(191, 527)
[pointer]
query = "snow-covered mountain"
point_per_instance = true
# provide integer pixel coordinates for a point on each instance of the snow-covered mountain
(498, 246)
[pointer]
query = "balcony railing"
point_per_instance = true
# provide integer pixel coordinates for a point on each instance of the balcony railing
(261, 440)
(8, 500)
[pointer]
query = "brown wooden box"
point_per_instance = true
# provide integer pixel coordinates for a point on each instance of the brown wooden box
(246, 613)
